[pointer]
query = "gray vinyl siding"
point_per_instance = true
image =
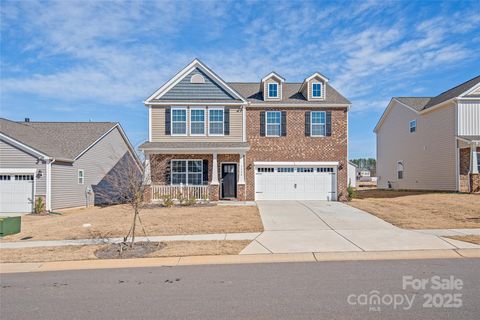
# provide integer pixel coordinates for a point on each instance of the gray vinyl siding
(14, 158)
(158, 128)
(428, 155)
(184, 90)
(96, 162)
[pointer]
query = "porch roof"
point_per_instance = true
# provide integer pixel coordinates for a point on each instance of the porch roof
(195, 147)
(470, 138)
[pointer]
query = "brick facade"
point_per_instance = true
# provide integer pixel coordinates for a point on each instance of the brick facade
(468, 182)
(296, 146)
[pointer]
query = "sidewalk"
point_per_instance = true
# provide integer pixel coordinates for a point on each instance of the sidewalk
(81, 242)
(237, 259)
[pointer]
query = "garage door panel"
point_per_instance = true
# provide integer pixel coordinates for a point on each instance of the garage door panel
(300, 184)
(16, 196)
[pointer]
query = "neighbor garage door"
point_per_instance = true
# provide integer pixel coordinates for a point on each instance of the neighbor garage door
(16, 193)
(295, 183)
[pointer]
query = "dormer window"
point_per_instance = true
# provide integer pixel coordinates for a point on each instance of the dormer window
(316, 90)
(273, 90)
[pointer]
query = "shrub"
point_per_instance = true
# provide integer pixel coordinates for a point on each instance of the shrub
(350, 193)
(39, 205)
(190, 202)
(168, 201)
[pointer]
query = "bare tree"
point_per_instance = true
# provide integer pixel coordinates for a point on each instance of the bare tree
(124, 183)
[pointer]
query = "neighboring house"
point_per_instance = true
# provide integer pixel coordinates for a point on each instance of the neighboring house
(431, 143)
(261, 140)
(61, 162)
(352, 174)
(364, 173)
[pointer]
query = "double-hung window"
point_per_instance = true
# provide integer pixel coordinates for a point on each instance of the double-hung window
(318, 123)
(197, 122)
(81, 176)
(413, 126)
(273, 123)
(273, 90)
(188, 172)
(179, 121)
(215, 121)
(316, 90)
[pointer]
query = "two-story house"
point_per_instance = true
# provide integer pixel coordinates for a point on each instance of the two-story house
(265, 140)
(431, 143)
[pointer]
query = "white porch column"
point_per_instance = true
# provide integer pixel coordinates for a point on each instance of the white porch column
(147, 173)
(241, 173)
(473, 158)
(214, 170)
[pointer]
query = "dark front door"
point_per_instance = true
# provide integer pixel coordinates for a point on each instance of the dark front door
(229, 180)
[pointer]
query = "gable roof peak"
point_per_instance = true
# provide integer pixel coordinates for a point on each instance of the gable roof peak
(273, 74)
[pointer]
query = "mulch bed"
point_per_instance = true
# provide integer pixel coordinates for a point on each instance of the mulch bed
(124, 251)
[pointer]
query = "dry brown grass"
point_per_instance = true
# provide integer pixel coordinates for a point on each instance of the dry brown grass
(115, 221)
(421, 210)
(172, 249)
(471, 239)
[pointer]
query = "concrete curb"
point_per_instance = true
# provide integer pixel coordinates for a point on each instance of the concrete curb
(237, 259)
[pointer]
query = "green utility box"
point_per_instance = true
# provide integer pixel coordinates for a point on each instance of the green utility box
(9, 225)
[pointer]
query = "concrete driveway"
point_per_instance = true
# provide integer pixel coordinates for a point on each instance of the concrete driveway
(321, 226)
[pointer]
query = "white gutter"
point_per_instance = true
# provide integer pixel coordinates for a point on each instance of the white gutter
(296, 163)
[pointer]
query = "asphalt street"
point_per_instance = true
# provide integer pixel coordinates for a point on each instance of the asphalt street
(405, 289)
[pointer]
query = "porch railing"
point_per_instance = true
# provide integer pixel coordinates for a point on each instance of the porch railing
(197, 192)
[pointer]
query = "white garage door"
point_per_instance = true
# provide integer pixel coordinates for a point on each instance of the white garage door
(16, 193)
(295, 183)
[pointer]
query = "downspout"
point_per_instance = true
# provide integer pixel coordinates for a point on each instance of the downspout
(48, 195)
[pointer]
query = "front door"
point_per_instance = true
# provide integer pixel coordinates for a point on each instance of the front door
(229, 180)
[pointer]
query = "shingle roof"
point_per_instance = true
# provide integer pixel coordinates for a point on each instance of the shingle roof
(290, 94)
(193, 145)
(60, 140)
(423, 103)
(416, 103)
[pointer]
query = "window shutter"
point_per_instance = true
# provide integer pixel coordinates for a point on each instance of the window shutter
(284, 123)
(307, 124)
(226, 121)
(167, 121)
(168, 179)
(328, 123)
(205, 171)
(262, 124)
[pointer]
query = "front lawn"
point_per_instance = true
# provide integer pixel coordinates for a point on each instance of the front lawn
(421, 210)
(171, 249)
(115, 221)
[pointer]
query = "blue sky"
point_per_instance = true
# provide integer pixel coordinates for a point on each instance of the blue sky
(98, 60)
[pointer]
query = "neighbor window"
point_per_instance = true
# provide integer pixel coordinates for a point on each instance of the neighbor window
(81, 176)
(318, 123)
(197, 121)
(215, 121)
(273, 123)
(179, 121)
(273, 90)
(399, 170)
(413, 126)
(316, 90)
(188, 172)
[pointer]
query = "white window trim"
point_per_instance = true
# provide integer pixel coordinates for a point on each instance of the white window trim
(186, 122)
(410, 126)
(311, 124)
(268, 90)
(83, 176)
(204, 122)
(266, 124)
(223, 122)
(321, 90)
(186, 172)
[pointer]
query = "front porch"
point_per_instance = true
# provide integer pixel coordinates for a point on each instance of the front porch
(206, 175)
(469, 164)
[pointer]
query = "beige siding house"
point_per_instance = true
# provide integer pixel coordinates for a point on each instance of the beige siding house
(431, 143)
(63, 163)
